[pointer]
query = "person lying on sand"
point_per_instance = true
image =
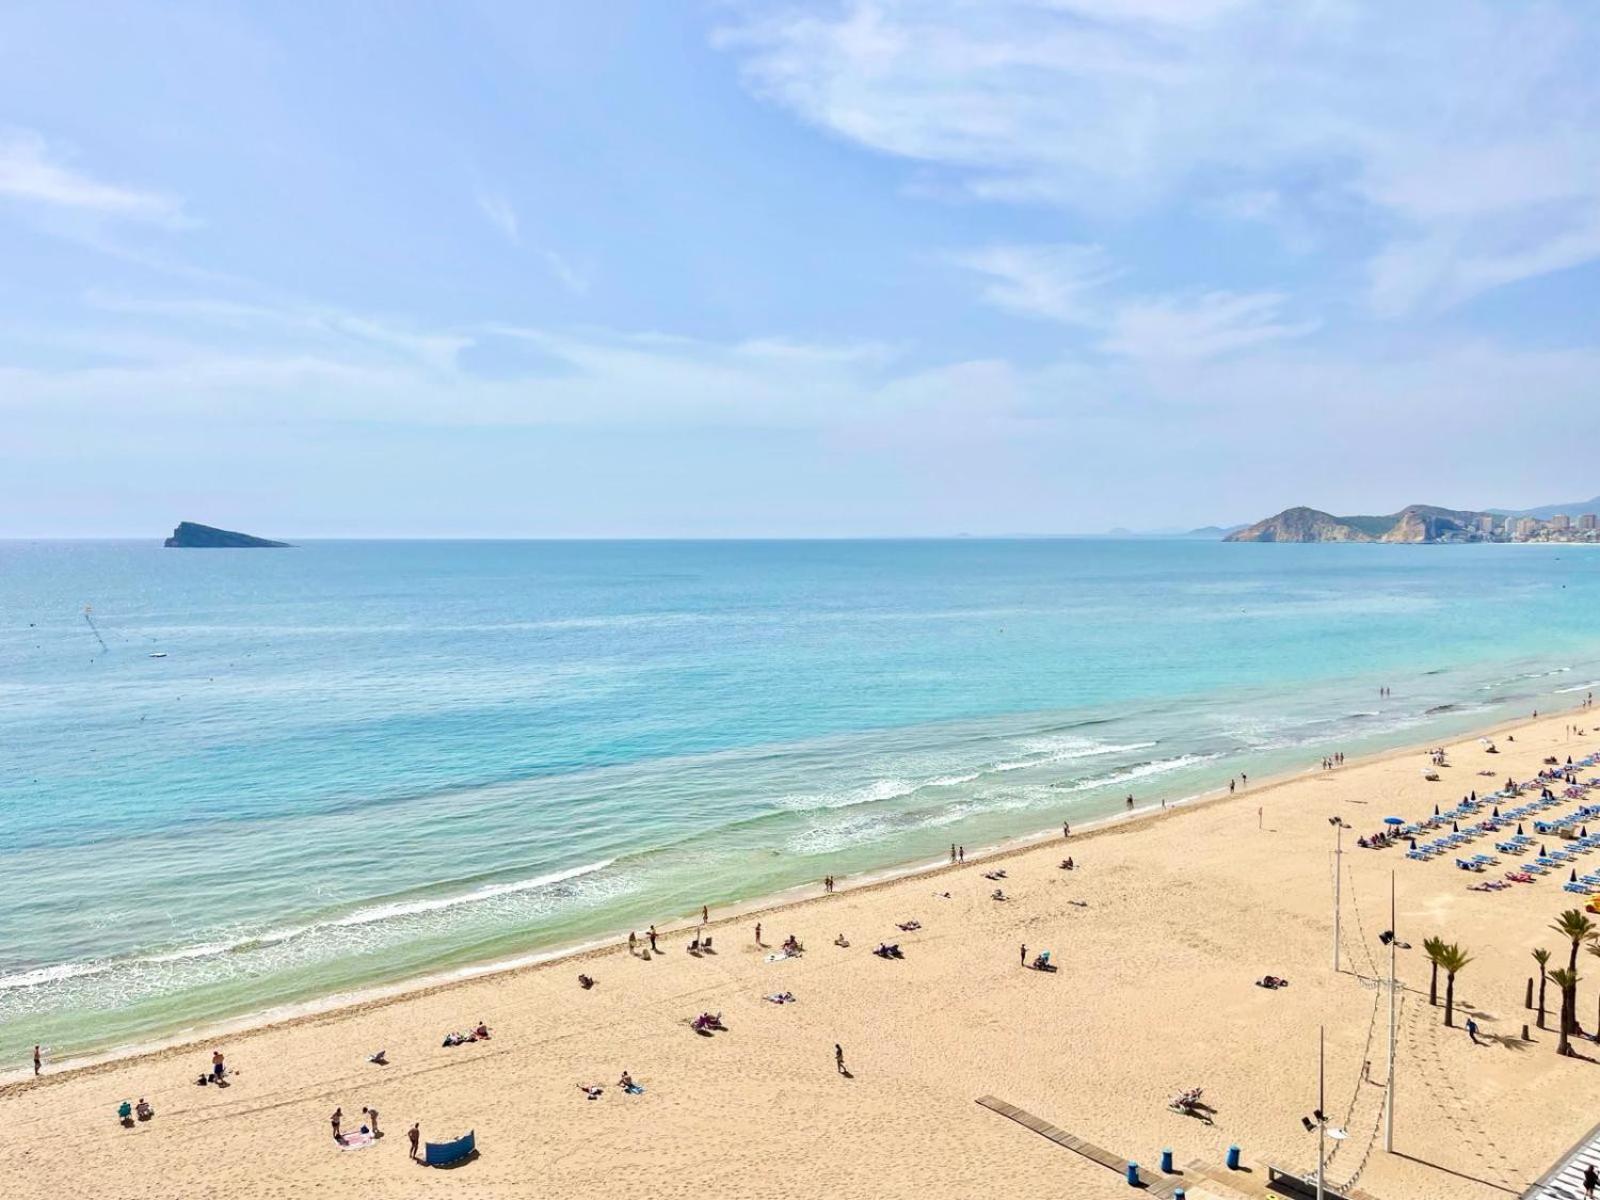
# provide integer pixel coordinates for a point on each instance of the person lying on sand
(381, 1058)
(998, 894)
(591, 1091)
(909, 926)
(1068, 865)
(1272, 982)
(841, 940)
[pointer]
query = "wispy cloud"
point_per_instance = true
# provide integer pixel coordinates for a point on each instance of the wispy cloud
(33, 172)
(1203, 326)
(497, 208)
(1054, 282)
(1067, 283)
(1455, 136)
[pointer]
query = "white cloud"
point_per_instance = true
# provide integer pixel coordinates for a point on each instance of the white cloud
(1456, 135)
(497, 208)
(31, 172)
(1201, 326)
(1050, 281)
(1066, 283)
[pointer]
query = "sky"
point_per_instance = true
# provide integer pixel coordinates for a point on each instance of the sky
(870, 268)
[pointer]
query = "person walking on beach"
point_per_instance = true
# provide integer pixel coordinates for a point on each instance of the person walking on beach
(758, 933)
(36, 1058)
(705, 914)
(838, 1058)
(338, 1116)
(652, 939)
(412, 1136)
(1066, 829)
(961, 854)
(952, 852)
(1472, 1031)
(1591, 1180)
(1230, 786)
(1244, 780)
(1024, 953)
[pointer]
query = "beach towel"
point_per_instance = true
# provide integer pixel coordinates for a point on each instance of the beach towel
(635, 1090)
(779, 956)
(357, 1141)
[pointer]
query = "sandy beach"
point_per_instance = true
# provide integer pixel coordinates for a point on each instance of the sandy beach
(1160, 934)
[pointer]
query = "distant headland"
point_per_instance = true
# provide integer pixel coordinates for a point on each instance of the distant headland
(1423, 523)
(190, 536)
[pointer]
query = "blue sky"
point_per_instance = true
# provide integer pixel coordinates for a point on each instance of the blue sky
(914, 267)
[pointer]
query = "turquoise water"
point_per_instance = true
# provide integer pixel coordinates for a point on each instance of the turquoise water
(360, 762)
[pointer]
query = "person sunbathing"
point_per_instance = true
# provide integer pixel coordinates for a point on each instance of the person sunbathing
(791, 945)
(841, 941)
(481, 1033)
(591, 1091)
(1067, 864)
(910, 926)
(997, 894)
(381, 1058)
(1272, 982)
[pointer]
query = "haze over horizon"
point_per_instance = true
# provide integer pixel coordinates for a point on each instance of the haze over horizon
(836, 269)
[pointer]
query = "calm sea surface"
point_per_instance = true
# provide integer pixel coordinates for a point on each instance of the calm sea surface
(288, 773)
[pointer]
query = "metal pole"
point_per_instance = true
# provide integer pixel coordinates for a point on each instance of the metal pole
(1338, 858)
(1322, 1120)
(1394, 938)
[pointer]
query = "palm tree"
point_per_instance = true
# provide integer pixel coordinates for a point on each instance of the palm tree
(1452, 958)
(1542, 957)
(1567, 981)
(1577, 929)
(1431, 947)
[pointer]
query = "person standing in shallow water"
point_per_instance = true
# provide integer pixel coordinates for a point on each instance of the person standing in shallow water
(36, 1059)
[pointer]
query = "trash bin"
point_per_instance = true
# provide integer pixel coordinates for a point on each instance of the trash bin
(1233, 1158)
(1166, 1162)
(1133, 1174)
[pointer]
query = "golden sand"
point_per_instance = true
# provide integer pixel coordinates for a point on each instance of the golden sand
(1159, 934)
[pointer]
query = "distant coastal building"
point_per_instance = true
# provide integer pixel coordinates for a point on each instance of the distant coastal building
(1526, 526)
(1486, 524)
(1586, 521)
(1560, 521)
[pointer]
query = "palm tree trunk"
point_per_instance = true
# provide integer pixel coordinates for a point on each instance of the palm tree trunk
(1541, 997)
(1433, 987)
(1564, 1047)
(1450, 999)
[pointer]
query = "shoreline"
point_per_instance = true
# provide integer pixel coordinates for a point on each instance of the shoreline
(377, 997)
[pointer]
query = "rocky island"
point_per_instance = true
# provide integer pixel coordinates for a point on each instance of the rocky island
(190, 536)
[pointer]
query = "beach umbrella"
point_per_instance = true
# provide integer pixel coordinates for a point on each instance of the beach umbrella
(1394, 820)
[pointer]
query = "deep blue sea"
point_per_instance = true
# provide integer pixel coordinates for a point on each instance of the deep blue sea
(289, 773)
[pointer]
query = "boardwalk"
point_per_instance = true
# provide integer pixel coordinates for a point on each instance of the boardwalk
(1564, 1181)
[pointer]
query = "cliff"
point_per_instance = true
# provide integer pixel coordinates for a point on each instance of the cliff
(188, 535)
(1300, 525)
(1416, 523)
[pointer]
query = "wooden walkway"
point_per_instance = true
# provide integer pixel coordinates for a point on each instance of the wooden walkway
(1199, 1179)
(1154, 1182)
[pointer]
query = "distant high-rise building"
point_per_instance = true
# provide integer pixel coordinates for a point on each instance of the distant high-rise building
(1526, 526)
(1586, 521)
(1486, 524)
(1560, 521)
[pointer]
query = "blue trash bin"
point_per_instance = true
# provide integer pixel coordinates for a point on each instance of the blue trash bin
(1133, 1174)
(1233, 1158)
(1178, 1194)
(1166, 1162)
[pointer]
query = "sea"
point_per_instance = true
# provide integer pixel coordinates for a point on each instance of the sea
(238, 781)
